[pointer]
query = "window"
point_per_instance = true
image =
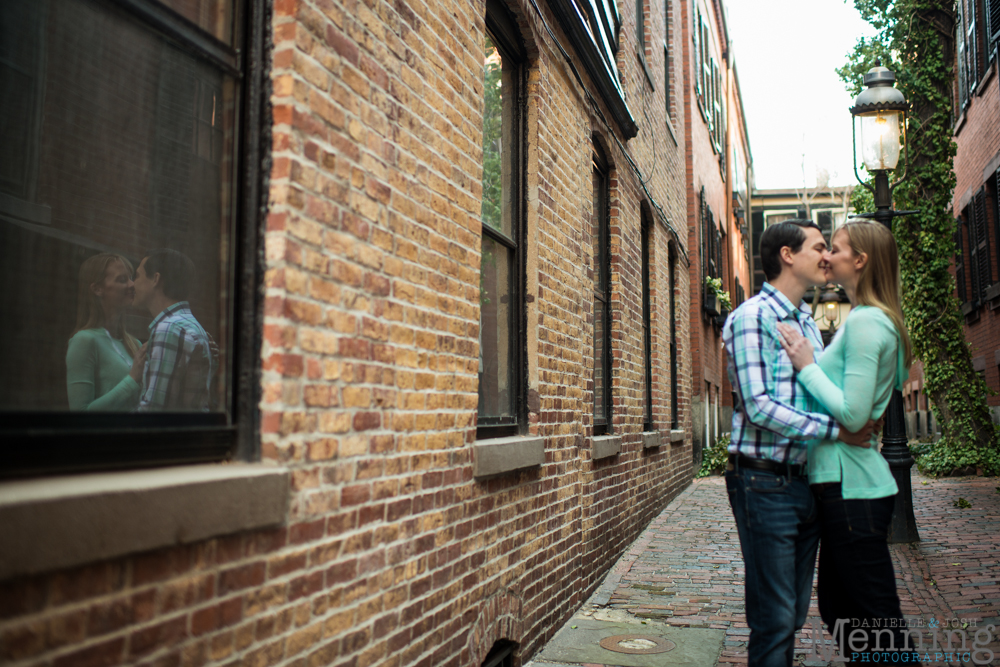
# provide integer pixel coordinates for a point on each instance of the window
(711, 241)
(666, 58)
(647, 342)
(994, 188)
(977, 28)
(92, 181)
(977, 225)
(602, 295)
(501, 282)
(672, 267)
(991, 19)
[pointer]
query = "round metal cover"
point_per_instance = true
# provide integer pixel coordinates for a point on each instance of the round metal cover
(637, 644)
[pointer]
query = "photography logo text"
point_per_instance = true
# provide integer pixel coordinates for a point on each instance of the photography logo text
(949, 641)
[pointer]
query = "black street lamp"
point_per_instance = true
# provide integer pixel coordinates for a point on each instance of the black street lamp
(880, 110)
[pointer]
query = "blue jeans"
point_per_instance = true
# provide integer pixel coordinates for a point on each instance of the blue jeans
(856, 582)
(777, 519)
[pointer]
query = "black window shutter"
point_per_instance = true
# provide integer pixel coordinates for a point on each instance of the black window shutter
(982, 241)
(973, 262)
(959, 261)
(993, 21)
(703, 219)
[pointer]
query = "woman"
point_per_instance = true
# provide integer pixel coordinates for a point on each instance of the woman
(104, 364)
(854, 379)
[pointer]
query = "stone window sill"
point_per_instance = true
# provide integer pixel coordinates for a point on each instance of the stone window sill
(651, 439)
(502, 455)
(57, 522)
(677, 435)
(605, 446)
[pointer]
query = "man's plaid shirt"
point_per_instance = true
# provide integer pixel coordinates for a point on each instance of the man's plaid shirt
(179, 368)
(776, 416)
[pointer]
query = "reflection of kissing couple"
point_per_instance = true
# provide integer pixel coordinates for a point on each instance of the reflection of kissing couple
(801, 466)
(108, 369)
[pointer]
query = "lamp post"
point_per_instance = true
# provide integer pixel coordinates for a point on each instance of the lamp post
(880, 110)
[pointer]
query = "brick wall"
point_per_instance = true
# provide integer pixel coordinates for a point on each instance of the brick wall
(709, 383)
(977, 159)
(393, 554)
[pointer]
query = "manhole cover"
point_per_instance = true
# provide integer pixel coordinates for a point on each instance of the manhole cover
(637, 644)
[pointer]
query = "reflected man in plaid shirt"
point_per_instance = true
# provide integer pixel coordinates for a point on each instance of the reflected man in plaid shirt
(773, 421)
(180, 366)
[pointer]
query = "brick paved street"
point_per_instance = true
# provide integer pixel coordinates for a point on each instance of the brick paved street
(686, 570)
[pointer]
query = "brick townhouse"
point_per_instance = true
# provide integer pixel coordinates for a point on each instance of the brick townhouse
(974, 204)
(440, 250)
(719, 182)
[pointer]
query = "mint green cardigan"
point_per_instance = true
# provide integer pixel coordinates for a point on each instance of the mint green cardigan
(97, 373)
(853, 380)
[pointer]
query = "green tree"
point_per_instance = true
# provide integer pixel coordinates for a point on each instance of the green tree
(916, 39)
(492, 140)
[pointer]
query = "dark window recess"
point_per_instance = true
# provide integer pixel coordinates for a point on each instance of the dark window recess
(502, 408)
(501, 654)
(666, 57)
(647, 342)
(960, 260)
(90, 180)
(640, 29)
(602, 295)
(666, 81)
(674, 415)
(825, 221)
(710, 241)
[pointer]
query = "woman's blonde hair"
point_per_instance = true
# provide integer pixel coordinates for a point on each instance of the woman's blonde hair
(878, 283)
(89, 312)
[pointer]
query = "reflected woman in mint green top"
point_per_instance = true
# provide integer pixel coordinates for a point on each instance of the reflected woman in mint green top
(853, 379)
(104, 364)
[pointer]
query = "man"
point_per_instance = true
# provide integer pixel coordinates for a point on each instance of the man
(179, 367)
(776, 515)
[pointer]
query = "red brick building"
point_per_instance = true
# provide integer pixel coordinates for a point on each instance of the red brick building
(974, 205)
(442, 249)
(719, 183)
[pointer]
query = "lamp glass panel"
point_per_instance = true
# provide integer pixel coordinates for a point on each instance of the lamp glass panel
(880, 140)
(832, 311)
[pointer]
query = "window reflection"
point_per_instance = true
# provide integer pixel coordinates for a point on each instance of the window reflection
(496, 368)
(125, 155)
(213, 16)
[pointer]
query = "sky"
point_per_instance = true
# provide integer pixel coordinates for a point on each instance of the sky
(786, 54)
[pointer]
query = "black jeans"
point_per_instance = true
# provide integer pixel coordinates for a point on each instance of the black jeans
(856, 583)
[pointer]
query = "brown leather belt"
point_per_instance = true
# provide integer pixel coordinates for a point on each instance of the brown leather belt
(791, 469)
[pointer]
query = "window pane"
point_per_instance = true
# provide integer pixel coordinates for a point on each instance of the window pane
(599, 324)
(213, 16)
(597, 228)
(499, 80)
(497, 337)
(130, 148)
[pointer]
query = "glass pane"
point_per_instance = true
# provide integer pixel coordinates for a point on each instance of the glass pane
(498, 126)
(596, 227)
(129, 149)
(599, 411)
(497, 337)
(213, 16)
